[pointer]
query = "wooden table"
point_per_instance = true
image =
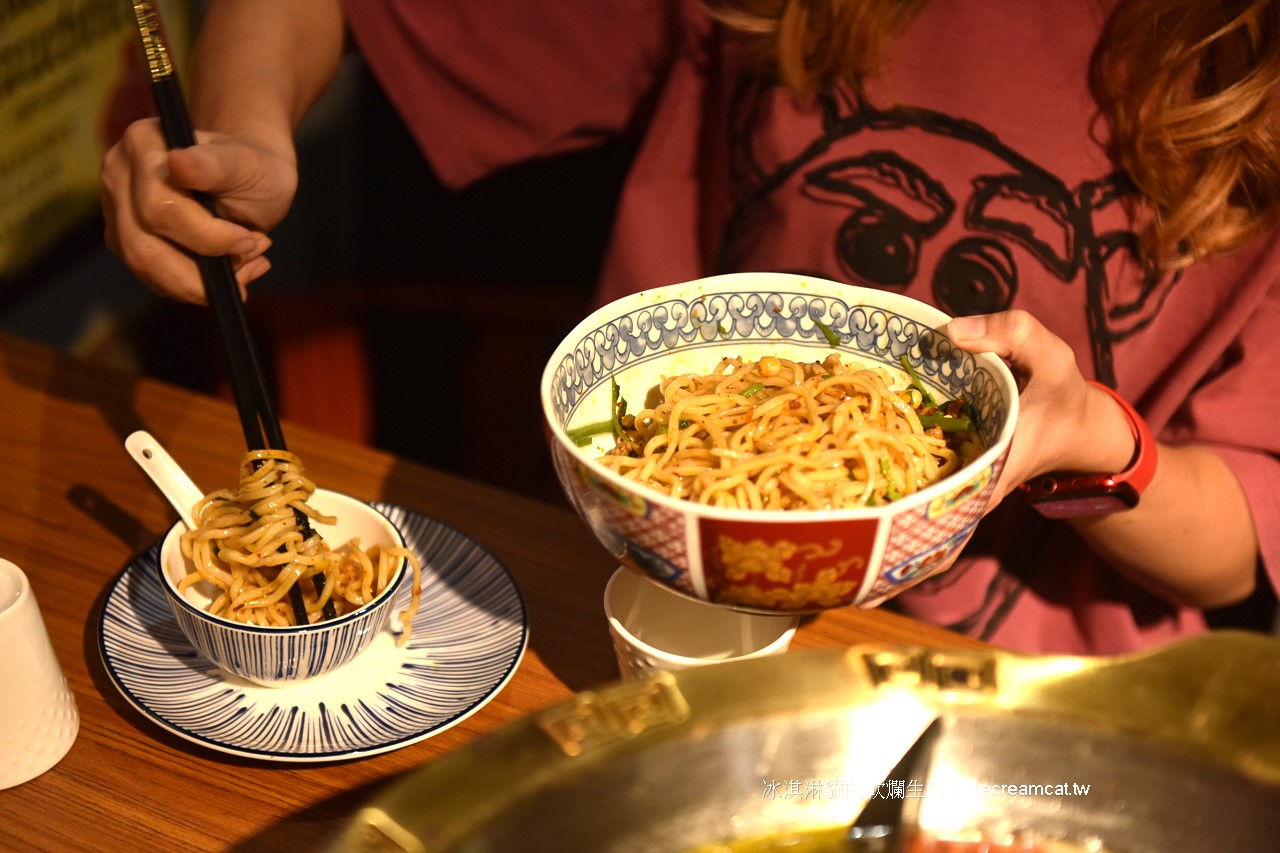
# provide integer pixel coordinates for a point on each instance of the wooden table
(75, 511)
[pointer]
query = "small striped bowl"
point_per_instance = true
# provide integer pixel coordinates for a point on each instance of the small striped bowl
(282, 657)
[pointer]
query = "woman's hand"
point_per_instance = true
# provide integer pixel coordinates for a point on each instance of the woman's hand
(1190, 539)
(256, 69)
(1057, 408)
(154, 223)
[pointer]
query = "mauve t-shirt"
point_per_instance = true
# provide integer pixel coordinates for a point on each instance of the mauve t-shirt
(970, 177)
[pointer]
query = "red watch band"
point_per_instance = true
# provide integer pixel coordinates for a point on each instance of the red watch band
(1062, 495)
(1142, 470)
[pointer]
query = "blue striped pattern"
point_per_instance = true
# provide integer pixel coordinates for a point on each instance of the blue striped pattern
(282, 654)
(468, 637)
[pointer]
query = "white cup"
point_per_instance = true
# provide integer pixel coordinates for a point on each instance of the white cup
(38, 716)
(655, 628)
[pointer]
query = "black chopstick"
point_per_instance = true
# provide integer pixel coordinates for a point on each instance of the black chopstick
(258, 417)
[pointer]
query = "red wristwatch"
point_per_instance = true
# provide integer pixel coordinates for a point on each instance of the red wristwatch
(1064, 495)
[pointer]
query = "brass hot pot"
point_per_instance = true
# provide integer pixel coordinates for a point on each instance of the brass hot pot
(1172, 750)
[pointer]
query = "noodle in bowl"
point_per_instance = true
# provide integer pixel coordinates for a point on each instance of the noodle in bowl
(900, 508)
(278, 656)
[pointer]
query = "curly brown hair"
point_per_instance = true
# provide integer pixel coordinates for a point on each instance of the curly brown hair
(1188, 89)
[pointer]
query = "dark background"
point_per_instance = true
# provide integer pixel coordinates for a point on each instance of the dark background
(459, 297)
(456, 299)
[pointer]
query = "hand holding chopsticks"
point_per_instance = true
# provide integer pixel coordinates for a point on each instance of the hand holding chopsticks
(249, 386)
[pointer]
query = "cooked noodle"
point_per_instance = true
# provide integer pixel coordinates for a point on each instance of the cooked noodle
(250, 543)
(781, 435)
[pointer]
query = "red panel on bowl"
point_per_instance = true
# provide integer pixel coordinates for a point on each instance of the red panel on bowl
(786, 565)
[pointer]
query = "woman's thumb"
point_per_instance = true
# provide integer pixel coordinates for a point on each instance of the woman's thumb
(201, 168)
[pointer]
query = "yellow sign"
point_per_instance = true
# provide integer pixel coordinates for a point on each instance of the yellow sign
(72, 75)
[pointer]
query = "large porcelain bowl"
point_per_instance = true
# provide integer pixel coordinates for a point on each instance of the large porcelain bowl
(773, 561)
(285, 656)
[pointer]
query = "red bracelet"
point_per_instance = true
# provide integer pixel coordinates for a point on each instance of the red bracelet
(1064, 495)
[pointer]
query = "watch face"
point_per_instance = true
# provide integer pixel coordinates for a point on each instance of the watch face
(1080, 506)
(1080, 496)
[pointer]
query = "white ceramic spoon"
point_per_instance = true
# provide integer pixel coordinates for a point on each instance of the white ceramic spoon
(167, 474)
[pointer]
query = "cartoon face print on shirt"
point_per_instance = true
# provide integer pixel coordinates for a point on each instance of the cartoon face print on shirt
(914, 200)
(937, 207)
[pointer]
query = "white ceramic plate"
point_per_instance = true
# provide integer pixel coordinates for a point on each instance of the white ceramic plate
(468, 638)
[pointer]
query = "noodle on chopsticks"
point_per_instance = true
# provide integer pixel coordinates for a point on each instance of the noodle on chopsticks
(254, 542)
(782, 435)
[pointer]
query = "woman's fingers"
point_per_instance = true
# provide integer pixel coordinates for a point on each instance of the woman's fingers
(158, 263)
(1052, 392)
(1019, 338)
(252, 271)
(168, 208)
(155, 223)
